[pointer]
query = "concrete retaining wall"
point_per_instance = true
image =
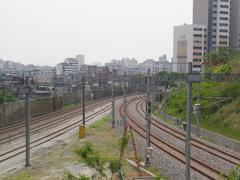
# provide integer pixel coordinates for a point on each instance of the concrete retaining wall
(15, 111)
(214, 137)
(218, 139)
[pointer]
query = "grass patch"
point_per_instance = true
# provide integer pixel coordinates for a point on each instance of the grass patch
(69, 106)
(221, 118)
(20, 176)
(155, 171)
(100, 125)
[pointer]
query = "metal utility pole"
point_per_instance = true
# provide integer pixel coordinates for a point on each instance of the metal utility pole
(148, 125)
(113, 104)
(54, 92)
(188, 133)
(125, 101)
(199, 95)
(165, 102)
(3, 103)
(27, 88)
(197, 111)
(82, 129)
(83, 101)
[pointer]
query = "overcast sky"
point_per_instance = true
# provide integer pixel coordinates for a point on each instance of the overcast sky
(47, 31)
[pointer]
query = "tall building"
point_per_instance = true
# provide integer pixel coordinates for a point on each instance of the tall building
(190, 45)
(81, 59)
(235, 25)
(215, 14)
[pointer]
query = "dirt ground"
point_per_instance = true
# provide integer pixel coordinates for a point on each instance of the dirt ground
(52, 162)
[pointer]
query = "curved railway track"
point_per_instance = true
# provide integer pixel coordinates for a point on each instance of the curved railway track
(196, 165)
(231, 158)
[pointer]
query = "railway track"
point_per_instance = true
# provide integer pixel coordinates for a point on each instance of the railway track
(21, 123)
(38, 124)
(46, 138)
(198, 166)
(231, 158)
(52, 133)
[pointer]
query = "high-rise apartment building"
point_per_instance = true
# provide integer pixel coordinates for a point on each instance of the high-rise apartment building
(235, 25)
(222, 18)
(190, 45)
(215, 14)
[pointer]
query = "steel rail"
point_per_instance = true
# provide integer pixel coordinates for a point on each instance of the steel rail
(172, 151)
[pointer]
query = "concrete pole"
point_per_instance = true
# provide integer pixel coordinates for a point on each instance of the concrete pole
(125, 101)
(113, 104)
(198, 118)
(165, 102)
(188, 133)
(4, 111)
(199, 95)
(148, 114)
(54, 93)
(27, 123)
(83, 99)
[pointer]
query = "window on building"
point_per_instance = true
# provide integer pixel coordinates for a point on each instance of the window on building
(223, 12)
(223, 24)
(223, 43)
(197, 66)
(197, 29)
(223, 30)
(197, 54)
(197, 47)
(224, 6)
(197, 60)
(223, 37)
(224, 18)
(197, 35)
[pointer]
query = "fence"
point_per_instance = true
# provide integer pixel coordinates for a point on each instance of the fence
(15, 111)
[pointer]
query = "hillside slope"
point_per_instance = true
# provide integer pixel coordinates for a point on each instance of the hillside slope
(220, 101)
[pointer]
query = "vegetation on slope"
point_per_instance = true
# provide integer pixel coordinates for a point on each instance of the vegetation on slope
(220, 102)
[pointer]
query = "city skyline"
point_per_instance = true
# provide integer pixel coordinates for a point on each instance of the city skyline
(45, 32)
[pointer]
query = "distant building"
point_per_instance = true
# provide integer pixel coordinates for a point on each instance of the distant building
(81, 59)
(149, 64)
(123, 65)
(70, 66)
(45, 76)
(190, 45)
(164, 64)
(1, 66)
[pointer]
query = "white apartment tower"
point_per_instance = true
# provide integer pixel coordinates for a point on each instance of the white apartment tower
(215, 14)
(190, 45)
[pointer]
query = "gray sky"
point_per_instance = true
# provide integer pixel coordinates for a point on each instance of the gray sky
(47, 31)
